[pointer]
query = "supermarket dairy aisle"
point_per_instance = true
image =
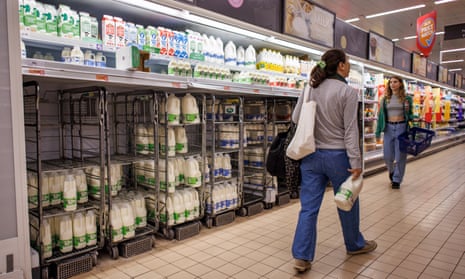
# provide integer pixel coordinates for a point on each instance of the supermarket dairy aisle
(420, 230)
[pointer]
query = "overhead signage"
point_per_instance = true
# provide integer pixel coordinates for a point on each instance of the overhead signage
(351, 39)
(419, 65)
(380, 49)
(452, 32)
(431, 70)
(426, 33)
(402, 59)
(309, 21)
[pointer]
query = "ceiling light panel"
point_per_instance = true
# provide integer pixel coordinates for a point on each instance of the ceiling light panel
(396, 11)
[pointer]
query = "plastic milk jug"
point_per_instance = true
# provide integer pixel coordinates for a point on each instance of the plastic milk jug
(190, 109)
(116, 223)
(174, 162)
(348, 193)
(55, 225)
(150, 139)
(230, 54)
(149, 172)
(181, 169)
(127, 216)
(142, 142)
(179, 208)
(250, 57)
(188, 203)
(240, 56)
(23, 50)
(89, 58)
(46, 233)
(171, 218)
(192, 173)
(91, 228)
(81, 186)
(141, 211)
(195, 202)
(32, 193)
(100, 60)
(77, 57)
(45, 190)
(66, 234)
(140, 173)
(166, 174)
(115, 179)
(66, 55)
(79, 231)
(93, 182)
(69, 193)
(173, 109)
(181, 140)
(227, 168)
(171, 147)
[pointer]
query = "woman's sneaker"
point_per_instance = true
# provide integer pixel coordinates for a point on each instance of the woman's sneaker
(302, 265)
(370, 245)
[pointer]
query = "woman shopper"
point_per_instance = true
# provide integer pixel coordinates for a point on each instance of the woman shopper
(395, 111)
(337, 157)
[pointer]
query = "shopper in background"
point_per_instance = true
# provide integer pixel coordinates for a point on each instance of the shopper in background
(337, 157)
(395, 111)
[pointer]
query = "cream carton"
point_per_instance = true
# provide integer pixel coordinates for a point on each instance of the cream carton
(65, 22)
(108, 31)
(85, 26)
(50, 15)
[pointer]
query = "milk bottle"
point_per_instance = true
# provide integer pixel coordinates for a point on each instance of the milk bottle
(150, 139)
(174, 162)
(142, 143)
(227, 168)
(127, 216)
(56, 181)
(46, 234)
(45, 190)
(77, 57)
(192, 173)
(79, 231)
(173, 109)
(250, 57)
(141, 211)
(171, 147)
(188, 203)
(149, 172)
(179, 208)
(66, 55)
(91, 228)
(181, 169)
(230, 54)
(93, 182)
(181, 140)
(69, 193)
(89, 58)
(166, 174)
(240, 56)
(140, 173)
(190, 109)
(23, 50)
(100, 60)
(65, 243)
(81, 186)
(195, 202)
(32, 193)
(55, 226)
(115, 178)
(116, 223)
(167, 215)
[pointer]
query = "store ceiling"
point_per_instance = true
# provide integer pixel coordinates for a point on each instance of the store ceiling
(403, 24)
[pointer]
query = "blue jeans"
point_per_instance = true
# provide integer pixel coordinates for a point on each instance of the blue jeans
(317, 169)
(394, 159)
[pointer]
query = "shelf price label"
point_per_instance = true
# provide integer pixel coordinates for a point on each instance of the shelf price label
(40, 72)
(226, 88)
(256, 91)
(101, 77)
(176, 85)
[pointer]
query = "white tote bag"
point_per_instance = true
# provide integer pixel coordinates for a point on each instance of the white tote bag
(303, 142)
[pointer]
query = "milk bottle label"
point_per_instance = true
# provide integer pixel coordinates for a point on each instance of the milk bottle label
(128, 230)
(65, 244)
(82, 196)
(163, 217)
(180, 146)
(45, 199)
(69, 203)
(91, 238)
(140, 220)
(33, 201)
(117, 233)
(47, 249)
(79, 241)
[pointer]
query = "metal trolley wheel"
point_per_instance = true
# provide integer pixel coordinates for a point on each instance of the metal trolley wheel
(168, 233)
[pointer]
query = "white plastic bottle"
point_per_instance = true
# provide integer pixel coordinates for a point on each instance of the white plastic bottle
(66, 234)
(91, 228)
(240, 56)
(181, 140)
(173, 110)
(81, 186)
(193, 175)
(89, 58)
(142, 142)
(69, 193)
(190, 110)
(23, 50)
(100, 60)
(181, 169)
(187, 198)
(179, 208)
(227, 168)
(171, 148)
(195, 202)
(32, 192)
(93, 182)
(46, 233)
(116, 223)
(140, 173)
(141, 211)
(127, 216)
(45, 190)
(77, 57)
(79, 231)
(150, 139)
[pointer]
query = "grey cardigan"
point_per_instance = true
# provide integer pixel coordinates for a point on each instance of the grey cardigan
(336, 125)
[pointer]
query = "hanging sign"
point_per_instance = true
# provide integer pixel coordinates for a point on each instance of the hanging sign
(426, 33)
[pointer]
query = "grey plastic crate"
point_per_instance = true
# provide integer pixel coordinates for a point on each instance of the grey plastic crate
(74, 266)
(188, 230)
(136, 246)
(225, 218)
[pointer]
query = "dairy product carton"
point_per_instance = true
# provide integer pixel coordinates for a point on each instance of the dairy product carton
(119, 32)
(108, 31)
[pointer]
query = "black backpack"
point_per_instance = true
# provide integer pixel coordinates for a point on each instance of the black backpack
(275, 163)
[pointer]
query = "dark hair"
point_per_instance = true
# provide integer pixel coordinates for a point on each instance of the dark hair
(331, 59)
(401, 89)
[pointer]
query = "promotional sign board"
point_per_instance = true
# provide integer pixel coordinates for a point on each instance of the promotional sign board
(431, 70)
(402, 59)
(309, 21)
(351, 39)
(380, 49)
(419, 65)
(426, 33)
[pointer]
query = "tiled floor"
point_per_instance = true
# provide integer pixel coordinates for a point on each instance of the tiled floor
(420, 230)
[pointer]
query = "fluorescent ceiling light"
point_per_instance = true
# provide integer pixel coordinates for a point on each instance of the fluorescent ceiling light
(353, 19)
(293, 46)
(395, 40)
(151, 6)
(396, 11)
(443, 1)
(452, 61)
(410, 37)
(452, 50)
(440, 33)
(455, 70)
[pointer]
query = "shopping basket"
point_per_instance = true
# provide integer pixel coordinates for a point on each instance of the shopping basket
(415, 141)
